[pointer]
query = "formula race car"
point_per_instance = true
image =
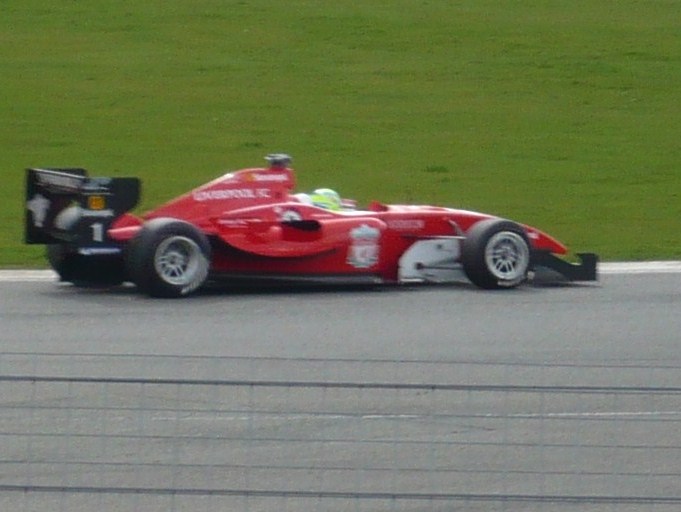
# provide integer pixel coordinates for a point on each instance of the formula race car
(249, 225)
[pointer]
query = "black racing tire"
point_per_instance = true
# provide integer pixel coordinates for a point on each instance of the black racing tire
(63, 260)
(496, 254)
(168, 258)
(85, 271)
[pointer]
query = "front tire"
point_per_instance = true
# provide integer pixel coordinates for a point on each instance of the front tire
(169, 258)
(496, 254)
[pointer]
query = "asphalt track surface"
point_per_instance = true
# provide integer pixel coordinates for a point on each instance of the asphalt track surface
(629, 315)
(623, 332)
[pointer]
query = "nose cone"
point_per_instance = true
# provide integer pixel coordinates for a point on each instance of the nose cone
(542, 241)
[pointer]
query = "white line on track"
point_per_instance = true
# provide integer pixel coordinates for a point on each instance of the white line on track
(608, 268)
(408, 417)
(641, 267)
(602, 414)
(282, 416)
(25, 276)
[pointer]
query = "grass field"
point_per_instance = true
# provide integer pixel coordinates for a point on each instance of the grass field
(563, 115)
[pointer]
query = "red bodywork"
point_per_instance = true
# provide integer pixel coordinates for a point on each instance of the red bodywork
(257, 226)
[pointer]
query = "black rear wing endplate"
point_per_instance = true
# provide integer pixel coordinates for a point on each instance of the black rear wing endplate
(66, 206)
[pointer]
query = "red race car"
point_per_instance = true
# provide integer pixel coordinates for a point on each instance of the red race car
(250, 225)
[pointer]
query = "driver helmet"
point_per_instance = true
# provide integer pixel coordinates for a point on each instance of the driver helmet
(327, 199)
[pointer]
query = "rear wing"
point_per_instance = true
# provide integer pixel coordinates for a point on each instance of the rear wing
(67, 206)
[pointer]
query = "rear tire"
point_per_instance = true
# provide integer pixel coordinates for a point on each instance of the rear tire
(168, 258)
(85, 271)
(496, 254)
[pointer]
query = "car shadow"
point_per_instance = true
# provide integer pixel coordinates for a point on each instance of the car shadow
(232, 289)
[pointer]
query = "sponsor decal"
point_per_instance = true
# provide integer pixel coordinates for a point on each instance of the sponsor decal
(38, 206)
(96, 202)
(68, 217)
(364, 249)
(97, 185)
(98, 251)
(65, 181)
(233, 223)
(272, 177)
(231, 193)
(406, 224)
(98, 213)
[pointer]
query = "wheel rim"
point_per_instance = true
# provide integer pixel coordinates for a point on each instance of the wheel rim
(178, 260)
(507, 256)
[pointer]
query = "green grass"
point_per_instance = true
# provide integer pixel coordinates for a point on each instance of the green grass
(563, 115)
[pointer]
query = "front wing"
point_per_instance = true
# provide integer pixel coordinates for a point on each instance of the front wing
(585, 270)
